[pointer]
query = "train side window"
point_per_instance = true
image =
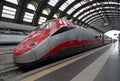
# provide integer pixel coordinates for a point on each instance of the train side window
(63, 29)
(98, 37)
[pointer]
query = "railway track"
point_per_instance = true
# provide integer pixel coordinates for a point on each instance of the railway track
(7, 67)
(9, 71)
(6, 58)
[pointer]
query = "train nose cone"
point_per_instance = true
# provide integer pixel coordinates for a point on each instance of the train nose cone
(31, 41)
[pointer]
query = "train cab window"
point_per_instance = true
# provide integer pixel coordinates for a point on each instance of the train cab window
(46, 25)
(63, 29)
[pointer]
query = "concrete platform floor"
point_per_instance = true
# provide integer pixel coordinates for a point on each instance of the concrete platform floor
(111, 70)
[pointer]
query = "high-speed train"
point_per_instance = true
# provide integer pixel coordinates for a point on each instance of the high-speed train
(54, 40)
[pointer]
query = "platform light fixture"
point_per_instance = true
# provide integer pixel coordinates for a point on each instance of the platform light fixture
(105, 24)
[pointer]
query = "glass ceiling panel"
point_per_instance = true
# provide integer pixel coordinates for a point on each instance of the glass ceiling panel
(27, 20)
(94, 10)
(8, 12)
(55, 16)
(45, 12)
(7, 16)
(70, 11)
(95, 4)
(92, 18)
(13, 1)
(73, 8)
(31, 7)
(83, 2)
(41, 20)
(76, 14)
(87, 7)
(77, 5)
(89, 16)
(9, 8)
(53, 2)
(112, 11)
(28, 17)
(110, 3)
(63, 6)
(96, 13)
(66, 4)
(69, 1)
(82, 15)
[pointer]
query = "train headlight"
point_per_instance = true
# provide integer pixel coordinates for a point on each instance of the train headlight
(34, 44)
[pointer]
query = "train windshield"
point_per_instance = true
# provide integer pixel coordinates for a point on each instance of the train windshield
(46, 25)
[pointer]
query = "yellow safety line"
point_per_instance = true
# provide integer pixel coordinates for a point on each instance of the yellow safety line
(54, 68)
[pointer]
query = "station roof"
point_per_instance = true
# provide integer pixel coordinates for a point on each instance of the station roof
(102, 15)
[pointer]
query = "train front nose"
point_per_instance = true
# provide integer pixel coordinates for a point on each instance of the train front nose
(29, 43)
(25, 51)
(23, 57)
(25, 47)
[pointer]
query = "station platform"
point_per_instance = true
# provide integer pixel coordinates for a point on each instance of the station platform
(6, 54)
(6, 48)
(100, 64)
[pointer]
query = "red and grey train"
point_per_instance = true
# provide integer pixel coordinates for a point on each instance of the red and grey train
(56, 39)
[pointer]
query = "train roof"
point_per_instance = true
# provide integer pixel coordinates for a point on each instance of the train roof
(56, 23)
